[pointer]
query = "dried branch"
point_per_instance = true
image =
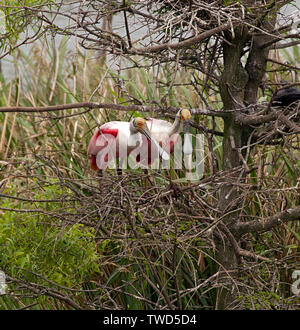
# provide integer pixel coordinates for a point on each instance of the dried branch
(89, 105)
(278, 38)
(182, 44)
(111, 106)
(39, 289)
(286, 45)
(268, 223)
(254, 119)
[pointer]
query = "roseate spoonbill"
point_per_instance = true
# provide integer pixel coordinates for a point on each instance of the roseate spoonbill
(167, 134)
(118, 139)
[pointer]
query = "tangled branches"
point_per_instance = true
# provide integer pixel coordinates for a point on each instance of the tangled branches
(159, 243)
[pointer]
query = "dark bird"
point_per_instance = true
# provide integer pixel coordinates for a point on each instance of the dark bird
(286, 96)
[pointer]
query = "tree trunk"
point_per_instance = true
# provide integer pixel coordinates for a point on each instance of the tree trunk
(233, 82)
(238, 86)
(228, 290)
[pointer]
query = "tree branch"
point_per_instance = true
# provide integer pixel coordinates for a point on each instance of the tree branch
(279, 38)
(268, 223)
(292, 67)
(256, 119)
(126, 25)
(112, 106)
(262, 119)
(90, 105)
(184, 43)
(39, 289)
(286, 45)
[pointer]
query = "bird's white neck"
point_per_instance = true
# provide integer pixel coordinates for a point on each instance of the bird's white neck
(175, 127)
(134, 139)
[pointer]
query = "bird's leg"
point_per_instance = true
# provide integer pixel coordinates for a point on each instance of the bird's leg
(100, 175)
(169, 175)
(120, 167)
(172, 184)
(146, 179)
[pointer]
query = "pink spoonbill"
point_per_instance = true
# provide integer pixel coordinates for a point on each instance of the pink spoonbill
(117, 139)
(167, 134)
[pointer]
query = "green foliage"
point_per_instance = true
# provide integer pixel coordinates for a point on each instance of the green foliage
(263, 300)
(37, 246)
(15, 17)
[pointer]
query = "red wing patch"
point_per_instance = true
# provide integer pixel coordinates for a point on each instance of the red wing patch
(92, 149)
(112, 131)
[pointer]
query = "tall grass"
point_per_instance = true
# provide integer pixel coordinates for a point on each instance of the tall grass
(52, 75)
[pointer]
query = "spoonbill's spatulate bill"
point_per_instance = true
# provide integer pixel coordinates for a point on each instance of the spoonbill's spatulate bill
(123, 137)
(187, 145)
(167, 134)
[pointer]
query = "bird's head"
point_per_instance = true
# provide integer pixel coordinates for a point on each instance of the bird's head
(184, 115)
(139, 125)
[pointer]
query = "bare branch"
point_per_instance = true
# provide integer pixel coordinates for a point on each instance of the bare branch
(268, 223)
(292, 67)
(90, 105)
(111, 106)
(182, 44)
(286, 45)
(256, 119)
